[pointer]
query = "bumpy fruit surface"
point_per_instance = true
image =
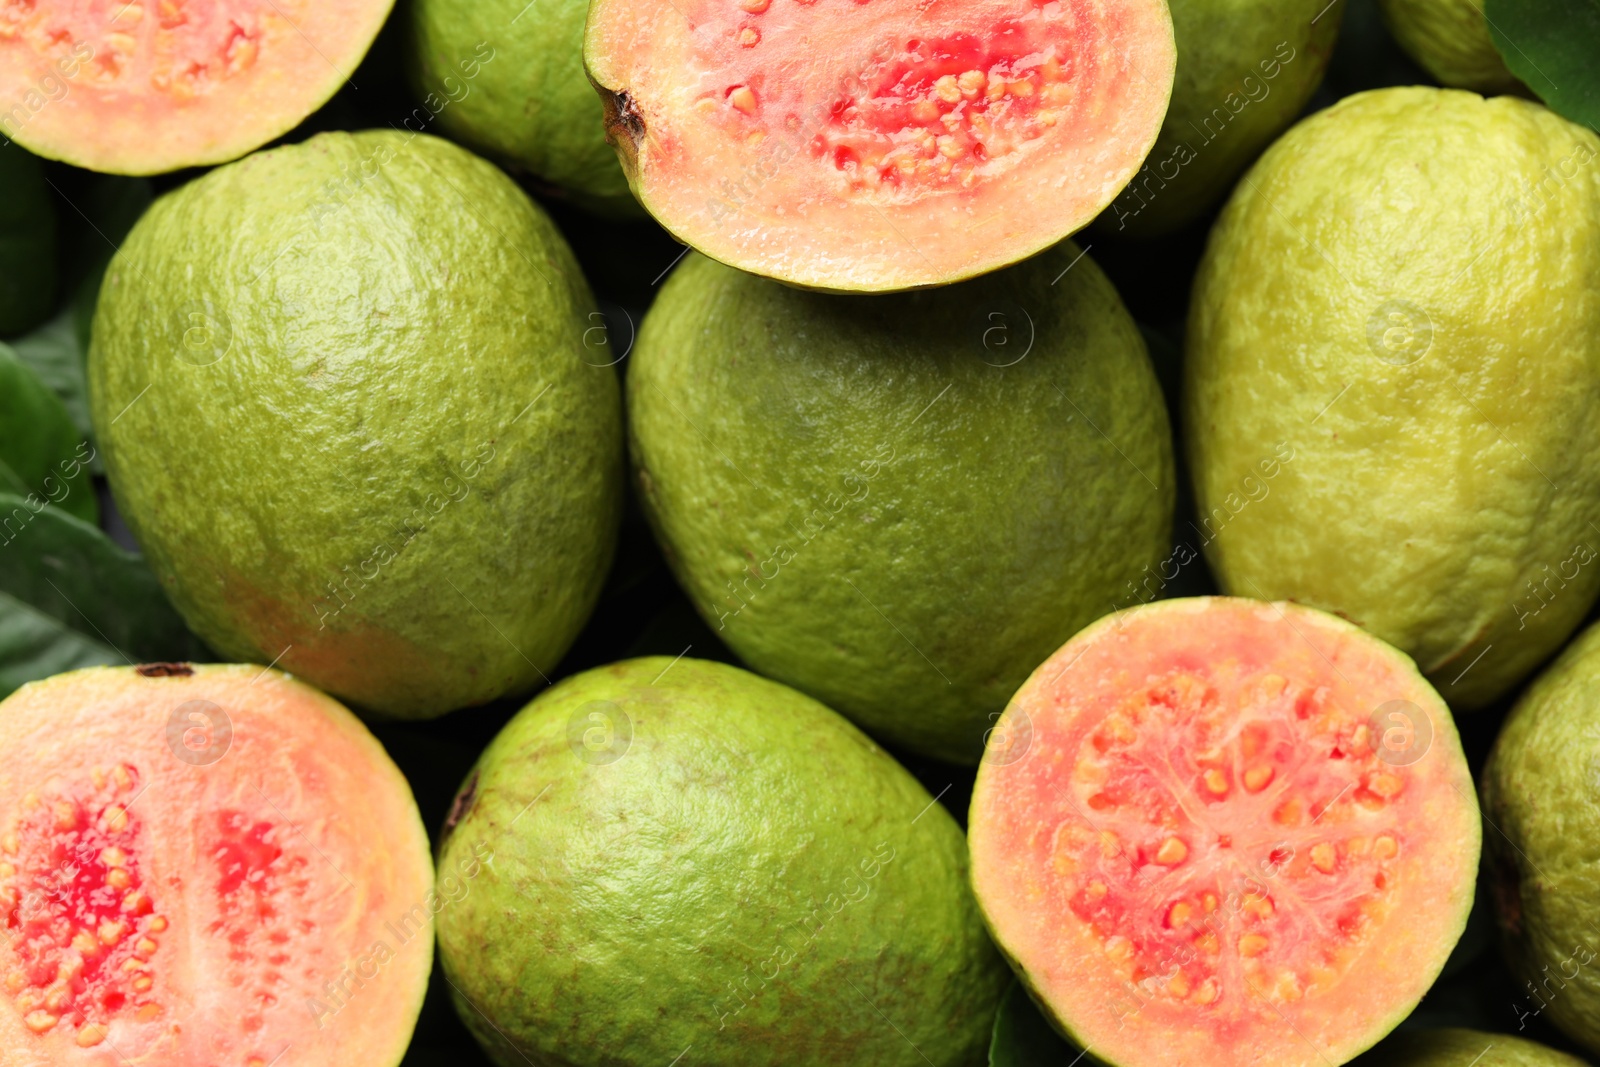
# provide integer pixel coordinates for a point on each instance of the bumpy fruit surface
(687, 856)
(1538, 788)
(878, 146)
(143, 87)
(1450, 40)
(1457, 1047)
(205, 865)
(1220, 831)
(508, 80)
(1423, 380)
(1245, 70)
(901, 504)
(356, 408)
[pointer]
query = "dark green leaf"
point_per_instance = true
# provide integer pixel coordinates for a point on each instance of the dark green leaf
(57, 356)
(1022, 1036)
(27, 242)
(71, 598)
(1550, 45)
(41, 451)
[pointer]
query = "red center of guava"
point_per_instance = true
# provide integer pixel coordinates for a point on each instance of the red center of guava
(918, 108)
(82, 927)
(179, 48)
(1229, 848)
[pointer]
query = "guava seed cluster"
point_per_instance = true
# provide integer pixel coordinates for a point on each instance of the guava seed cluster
(1232, 857)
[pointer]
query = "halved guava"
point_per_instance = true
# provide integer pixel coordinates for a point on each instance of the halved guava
(1223, 831)
(205, 866)
(147, 86)
(879, 144)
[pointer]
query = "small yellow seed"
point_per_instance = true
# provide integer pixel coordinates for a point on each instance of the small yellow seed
(1207, 992)
(947, 88)
(1178, 985)
(57, 997)
(158, 924)
(1260, 907)
(1252, 945)
(85, 943)
(1257, 778)
(143, 983)
(117, 878)
(145, 948)
(41, 1021)
(949, 147)
(1385, 847)
(91, 1035)
(1207, 943)
(115, 818)
(122, 777)
(1020, 88)
(749, 37)
(924, 110)
(755, 7)
(114, 857)
(1172, 852)
(1387, 786)
(743, 99)
(134, 966)
(1178, 915)
(1216, 781)
(111, 932)
(16, 981)
(6, 870)
(10, 843)
(1323, 857)
(971, 83)
(1097, 890)
(148, 1012)
(1208, 901)
(66, 815)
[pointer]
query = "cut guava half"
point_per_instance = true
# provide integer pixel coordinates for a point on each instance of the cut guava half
(210, 865)
(1224, 831)
(879, 144)
(148, 86)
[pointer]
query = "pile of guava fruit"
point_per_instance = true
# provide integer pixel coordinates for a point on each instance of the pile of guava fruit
(800, 533)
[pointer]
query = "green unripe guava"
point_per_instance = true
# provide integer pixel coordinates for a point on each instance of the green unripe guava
(675, 858)
(355, 408)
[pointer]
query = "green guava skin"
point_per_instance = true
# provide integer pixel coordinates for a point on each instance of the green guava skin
(398, 472)
(27, 242)
(1458, 1047)
(1544, 863)
(901, 504)
(746, 875)
(507, 79)
(1450, 40)
(1245, 71)
(1389, 301)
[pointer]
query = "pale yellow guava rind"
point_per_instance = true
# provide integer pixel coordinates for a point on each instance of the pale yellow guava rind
(1395, 317)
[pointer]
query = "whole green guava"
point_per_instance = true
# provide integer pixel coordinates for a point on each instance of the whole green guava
(1458, 1047)
(1395, 312)
(356, 409)
(1450, 40)
(683, 860)
(901, 504)
(1544, 860)
(1245, 70)
(506, 77)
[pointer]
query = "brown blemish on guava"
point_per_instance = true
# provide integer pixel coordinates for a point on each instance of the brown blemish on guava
(462, 805)
(623, 120)
(164, 670)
